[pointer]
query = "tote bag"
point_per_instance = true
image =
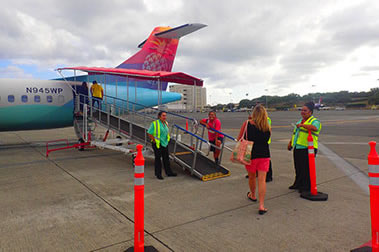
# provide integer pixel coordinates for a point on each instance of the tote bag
(242, 151)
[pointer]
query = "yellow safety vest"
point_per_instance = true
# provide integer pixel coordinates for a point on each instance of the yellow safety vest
(96, 91)
(302, 138)
(157, 133)
(269, 122)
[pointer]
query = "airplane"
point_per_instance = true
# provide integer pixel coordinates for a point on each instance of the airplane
(31, 104)
(319, 105)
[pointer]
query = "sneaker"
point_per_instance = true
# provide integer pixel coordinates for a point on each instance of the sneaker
(160, 177)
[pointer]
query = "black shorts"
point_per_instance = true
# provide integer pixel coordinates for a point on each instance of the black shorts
(214, 142)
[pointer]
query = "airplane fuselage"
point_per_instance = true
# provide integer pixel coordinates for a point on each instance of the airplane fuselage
(47, 104)
(35, 104)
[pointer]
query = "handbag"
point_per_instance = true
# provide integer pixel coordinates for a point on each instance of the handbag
(242, 151)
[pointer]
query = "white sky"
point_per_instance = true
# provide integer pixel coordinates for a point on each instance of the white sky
(282, 46)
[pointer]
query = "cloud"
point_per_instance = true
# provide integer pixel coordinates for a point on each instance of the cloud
(14, 72)
(248, 46)
(370, 68)
(359, 74)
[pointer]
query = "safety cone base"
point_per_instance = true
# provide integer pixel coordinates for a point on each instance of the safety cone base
(367, 247)
(318, 197)
(362, 249)
(146, 249)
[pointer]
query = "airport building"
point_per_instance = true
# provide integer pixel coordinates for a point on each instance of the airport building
(188, 101)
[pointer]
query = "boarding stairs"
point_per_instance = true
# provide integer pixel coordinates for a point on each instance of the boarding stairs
(85, 126)
(119, 116)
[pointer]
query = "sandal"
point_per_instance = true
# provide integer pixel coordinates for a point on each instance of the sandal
(250, 198)
(262, 211)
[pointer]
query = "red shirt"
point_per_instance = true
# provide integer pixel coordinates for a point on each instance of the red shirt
(215, 124)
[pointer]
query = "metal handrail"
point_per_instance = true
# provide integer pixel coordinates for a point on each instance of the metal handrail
(141, 113)
(220, 132)
(194, 148)
(200, 138)
(122, 100)
(116, 106)
(146, 107)
(190, 133)
(144, 115)
(104, 107)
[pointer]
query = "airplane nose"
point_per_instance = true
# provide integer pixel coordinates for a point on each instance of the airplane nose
(170, 96)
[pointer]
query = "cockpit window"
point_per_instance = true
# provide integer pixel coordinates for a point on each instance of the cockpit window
(24, 98)
(37, 98)
(10, 98)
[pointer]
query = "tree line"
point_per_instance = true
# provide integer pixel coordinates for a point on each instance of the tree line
(341, 98)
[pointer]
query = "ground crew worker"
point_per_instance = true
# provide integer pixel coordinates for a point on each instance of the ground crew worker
(299, 143)
(160, 137)
(97, 93)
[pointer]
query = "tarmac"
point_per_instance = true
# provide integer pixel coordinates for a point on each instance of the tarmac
(84, 200)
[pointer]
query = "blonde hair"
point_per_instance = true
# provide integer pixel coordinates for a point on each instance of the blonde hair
(260, 118)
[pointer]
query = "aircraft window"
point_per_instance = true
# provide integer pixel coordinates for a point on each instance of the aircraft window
(10, 98)
(24, 98)
(49, 99)
(61, 99)
(37, 98)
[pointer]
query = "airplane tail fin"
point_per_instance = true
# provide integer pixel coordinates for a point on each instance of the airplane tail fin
(159, 49)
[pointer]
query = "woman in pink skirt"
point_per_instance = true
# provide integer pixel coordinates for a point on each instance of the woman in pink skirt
(259, 131)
